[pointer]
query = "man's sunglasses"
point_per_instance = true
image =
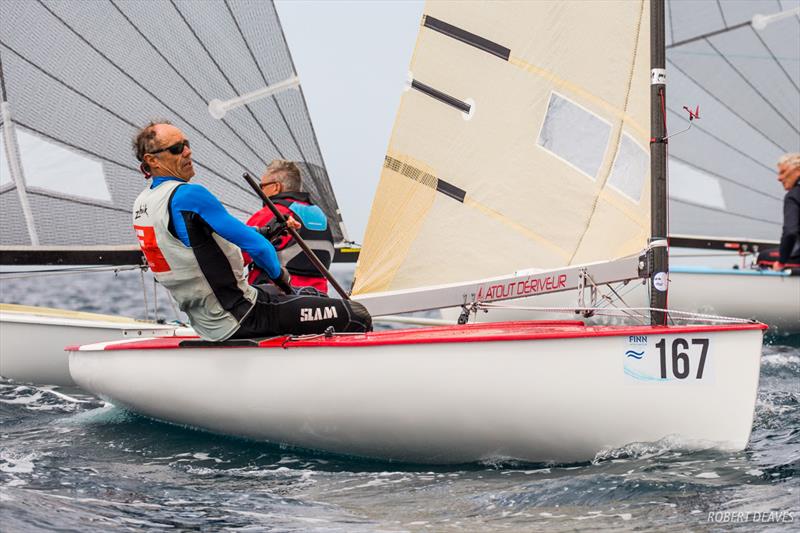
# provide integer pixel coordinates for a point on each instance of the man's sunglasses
(175, 149)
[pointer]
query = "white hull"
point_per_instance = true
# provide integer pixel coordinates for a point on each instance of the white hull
(772, 299)
(537, 399)
(768, 297)
(32, 340)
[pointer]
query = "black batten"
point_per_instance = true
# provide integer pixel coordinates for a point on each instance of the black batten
(658, 163)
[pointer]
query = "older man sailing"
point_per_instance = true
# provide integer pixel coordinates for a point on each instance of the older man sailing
(194, 248)
(282, 183)
(787, 255)
(789, 176)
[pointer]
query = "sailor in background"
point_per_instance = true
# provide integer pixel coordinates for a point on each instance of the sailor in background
(194, 248)
(282, 183)
(787, 255)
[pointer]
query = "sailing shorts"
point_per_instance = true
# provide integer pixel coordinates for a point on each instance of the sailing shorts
(275, 313)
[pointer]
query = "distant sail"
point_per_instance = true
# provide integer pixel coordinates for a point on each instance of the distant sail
(523, 141)
(78, 80)
(747, 84)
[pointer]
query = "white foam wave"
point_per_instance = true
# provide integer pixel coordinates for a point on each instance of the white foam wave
(526, 472)
(300, 476)
(707, 475)
(599, 514)
(40, 398)
(22, 464)
(643, 450)
(767, 407)
(23, 400)
(780, 359)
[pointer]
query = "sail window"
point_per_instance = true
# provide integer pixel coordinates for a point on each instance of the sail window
(629, 169)
(53, 168)
(574, 134)
(692, 185)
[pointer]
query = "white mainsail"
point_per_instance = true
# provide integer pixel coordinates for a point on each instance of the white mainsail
(520, 143)
(78, 80)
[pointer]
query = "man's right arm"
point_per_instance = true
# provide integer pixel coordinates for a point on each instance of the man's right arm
(192, 198)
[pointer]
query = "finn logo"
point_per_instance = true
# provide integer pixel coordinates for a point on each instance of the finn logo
(636, 340)
(308, 314)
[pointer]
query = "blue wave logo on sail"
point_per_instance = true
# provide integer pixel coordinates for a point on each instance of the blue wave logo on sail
(635, 355)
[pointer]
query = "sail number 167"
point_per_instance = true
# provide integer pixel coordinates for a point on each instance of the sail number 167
(680, 357)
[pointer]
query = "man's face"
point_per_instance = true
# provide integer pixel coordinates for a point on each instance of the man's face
(270, 184)
(166, 163)
(788, 175)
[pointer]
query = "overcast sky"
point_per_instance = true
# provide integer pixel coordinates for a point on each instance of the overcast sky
(352, 58)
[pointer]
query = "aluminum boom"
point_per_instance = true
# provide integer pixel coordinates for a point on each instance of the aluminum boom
(518, 285)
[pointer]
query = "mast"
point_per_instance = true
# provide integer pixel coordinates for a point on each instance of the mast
(658, 164)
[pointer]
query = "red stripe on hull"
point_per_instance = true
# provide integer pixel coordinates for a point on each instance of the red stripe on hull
(488, 332)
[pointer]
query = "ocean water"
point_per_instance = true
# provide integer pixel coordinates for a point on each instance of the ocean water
(71, 462)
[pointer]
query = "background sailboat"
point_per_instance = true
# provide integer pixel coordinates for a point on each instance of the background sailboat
(77, 80)
(746, 80)
(740, 62)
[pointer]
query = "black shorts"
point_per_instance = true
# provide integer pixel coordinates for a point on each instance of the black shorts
(276, 314)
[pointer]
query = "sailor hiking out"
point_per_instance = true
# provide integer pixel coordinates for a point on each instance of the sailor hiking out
(194, 248)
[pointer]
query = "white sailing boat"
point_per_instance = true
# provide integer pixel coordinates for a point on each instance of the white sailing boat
(67, 176)
(538, 89)
(32, 339)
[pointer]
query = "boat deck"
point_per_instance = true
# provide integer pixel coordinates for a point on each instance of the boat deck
(488, 332)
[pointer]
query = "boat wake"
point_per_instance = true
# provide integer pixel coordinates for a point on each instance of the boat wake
(670, 446)
(780, 363)
(45, 398)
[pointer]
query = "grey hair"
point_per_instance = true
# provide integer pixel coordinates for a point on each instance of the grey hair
(145, 141)
(286, 173)
(791, 160)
